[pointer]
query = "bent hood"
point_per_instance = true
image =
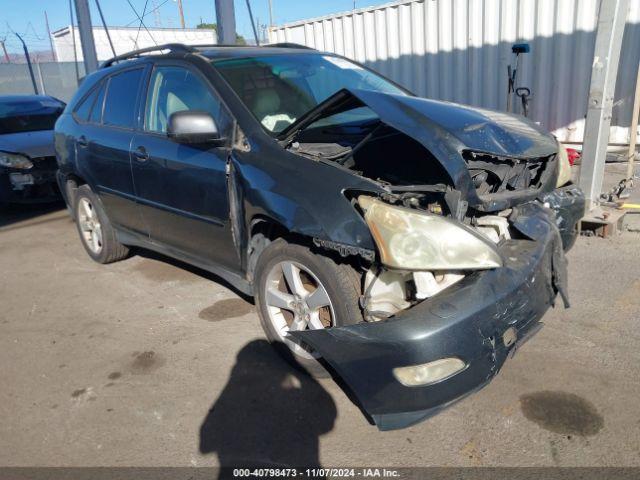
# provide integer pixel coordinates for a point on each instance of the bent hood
(33, 144)
(445, 129)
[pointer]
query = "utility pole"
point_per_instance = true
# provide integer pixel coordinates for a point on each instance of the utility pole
(253, 25)
(182, 14)
(53, 51)
(271, 13)
(4, 49)
(226, 20)
(26, 54)
(611, 21)
(86, 36)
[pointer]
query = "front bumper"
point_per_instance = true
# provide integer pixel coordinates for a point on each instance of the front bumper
(37, 184)
(467, 321)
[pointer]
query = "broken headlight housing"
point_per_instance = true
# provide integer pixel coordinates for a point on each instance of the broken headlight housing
(413, 240)
(13, 160)
(564, 167)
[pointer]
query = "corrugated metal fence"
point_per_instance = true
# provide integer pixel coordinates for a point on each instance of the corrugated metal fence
(458, 50)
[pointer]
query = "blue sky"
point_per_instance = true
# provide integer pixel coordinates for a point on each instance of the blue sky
(27, 16)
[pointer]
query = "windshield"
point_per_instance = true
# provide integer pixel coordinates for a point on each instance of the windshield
(17, 116)
(279, 89)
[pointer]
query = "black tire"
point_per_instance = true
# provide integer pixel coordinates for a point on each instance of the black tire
(111, 249)
(341, 281)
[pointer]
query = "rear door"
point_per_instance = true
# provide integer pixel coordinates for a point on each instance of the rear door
(182, 189)
(105, 144)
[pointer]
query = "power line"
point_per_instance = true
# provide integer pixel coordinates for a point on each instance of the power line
(148, 13)
(141, 22)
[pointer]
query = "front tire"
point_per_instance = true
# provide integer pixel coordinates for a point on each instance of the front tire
(96, 233)
(297, 289)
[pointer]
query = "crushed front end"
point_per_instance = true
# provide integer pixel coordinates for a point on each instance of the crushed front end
(25, 179)
(478, 321)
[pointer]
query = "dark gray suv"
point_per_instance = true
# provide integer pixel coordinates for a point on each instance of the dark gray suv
(404, 244)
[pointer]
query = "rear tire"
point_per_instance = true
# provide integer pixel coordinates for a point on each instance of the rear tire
(96, 233)
(327, 296)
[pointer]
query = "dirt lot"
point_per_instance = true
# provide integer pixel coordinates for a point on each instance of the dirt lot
(148, 363)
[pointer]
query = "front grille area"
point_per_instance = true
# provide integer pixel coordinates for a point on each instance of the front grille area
(491, 174)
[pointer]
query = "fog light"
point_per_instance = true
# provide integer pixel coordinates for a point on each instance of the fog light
(428, 373)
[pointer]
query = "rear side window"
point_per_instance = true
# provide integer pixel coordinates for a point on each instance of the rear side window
(120, 104)
(96, 112)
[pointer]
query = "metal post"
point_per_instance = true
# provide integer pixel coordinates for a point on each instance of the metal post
(611, 21)
(271, 13)
(73, 42)
(4, 49)
(53, 51)
(26, 54)
(633, 133)
(226, 20)
(86, 36)
(253, 25)
(106, 29)
(40, 77)
(181, 13)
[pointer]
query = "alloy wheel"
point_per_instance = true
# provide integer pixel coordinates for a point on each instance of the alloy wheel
(90, 225)
(296, 300)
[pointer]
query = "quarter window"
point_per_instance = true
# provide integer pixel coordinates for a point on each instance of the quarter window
(120, 104)
(96, 112)
(176, 89)
(84, 109)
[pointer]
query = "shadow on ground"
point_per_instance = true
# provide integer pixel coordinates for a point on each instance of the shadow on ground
(14, 213)
(268, 415)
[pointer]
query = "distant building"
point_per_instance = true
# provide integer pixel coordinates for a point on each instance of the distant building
(126, 39)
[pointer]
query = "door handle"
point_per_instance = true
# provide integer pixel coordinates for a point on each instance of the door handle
(82, 141)
(141, 154)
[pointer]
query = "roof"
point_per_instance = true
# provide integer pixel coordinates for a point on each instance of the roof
(210, 51)
(244, 52)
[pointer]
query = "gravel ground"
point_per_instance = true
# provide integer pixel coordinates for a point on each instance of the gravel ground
(121, 365)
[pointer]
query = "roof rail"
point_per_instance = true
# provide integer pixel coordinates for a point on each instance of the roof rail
(172, 47)
(288, 45)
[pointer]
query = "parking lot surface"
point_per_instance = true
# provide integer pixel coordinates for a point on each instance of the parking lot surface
(147, 362)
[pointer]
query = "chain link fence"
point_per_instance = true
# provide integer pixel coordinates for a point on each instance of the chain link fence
(58, 79)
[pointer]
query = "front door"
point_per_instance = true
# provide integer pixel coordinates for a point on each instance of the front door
(181, 189)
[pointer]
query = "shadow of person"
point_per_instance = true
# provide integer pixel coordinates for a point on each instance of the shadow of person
(268, 415)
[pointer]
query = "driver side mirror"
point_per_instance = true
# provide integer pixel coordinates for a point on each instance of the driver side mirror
(193, 127)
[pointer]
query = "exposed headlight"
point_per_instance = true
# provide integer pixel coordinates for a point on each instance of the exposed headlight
(428, 373)
(564, 167)
(15, 161)
(413, 240)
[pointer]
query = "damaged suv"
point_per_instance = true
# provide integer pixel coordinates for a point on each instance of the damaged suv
(408, 245)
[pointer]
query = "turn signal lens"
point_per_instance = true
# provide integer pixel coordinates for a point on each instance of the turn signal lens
(428, 373)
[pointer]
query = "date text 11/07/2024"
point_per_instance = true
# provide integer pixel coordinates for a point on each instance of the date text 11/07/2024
(315, 473)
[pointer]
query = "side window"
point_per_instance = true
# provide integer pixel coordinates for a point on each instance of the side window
(96, 112)
(120, 104)
(175, 89)
(83, 110)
